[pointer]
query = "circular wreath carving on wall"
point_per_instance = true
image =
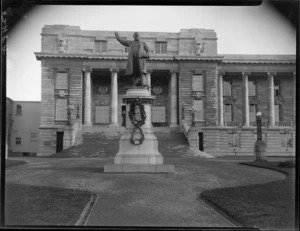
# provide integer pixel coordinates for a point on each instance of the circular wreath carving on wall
(103, 89)
(157, 90)
(137, 116)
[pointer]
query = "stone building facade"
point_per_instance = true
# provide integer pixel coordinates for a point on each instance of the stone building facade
(213, 98)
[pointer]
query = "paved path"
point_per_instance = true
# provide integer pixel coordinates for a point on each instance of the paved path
(143, 199)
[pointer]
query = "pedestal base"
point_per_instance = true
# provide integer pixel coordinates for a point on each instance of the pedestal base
(145, 153)
(142, 168)
(145, 156)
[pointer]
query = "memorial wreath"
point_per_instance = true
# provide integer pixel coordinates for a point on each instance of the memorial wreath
(137, 122)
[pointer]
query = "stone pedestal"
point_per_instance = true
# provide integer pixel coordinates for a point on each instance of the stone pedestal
(260, 150)
(143, 157)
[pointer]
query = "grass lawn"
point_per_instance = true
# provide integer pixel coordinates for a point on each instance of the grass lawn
(266, 206)
(11, 163)
(38, 205)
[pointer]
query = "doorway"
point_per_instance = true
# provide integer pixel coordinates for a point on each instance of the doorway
(200, 135)
(59, 141)
(102, 114)
(123, 109)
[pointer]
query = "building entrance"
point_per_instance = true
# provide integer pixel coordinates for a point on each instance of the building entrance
(59, 141)
(200, 135)
(102, 115)
(123, 110)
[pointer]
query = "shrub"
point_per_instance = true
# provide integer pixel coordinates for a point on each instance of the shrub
(287, 164)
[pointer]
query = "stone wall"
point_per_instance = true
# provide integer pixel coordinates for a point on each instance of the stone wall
(209, 71)
(48, 125)
(238, 141)
(47, 141)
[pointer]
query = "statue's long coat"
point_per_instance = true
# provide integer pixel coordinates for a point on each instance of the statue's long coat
(143, 51)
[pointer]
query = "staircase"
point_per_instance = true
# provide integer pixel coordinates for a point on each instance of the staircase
(103, 141)
(171, 143)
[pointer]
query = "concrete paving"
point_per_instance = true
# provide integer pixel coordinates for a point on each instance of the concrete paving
(141, 199)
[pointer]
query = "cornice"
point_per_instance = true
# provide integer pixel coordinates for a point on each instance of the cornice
(221, 59)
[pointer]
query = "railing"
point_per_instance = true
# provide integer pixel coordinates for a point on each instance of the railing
(233, 124)
(284, 124)
(263, 124)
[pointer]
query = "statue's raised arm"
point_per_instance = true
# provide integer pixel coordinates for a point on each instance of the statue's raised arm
(124, 42)
(138, 52)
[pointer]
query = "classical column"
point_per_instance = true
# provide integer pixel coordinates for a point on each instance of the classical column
(88, 97)
(271, 107)
(173, 98)
(6, 149)
(294, 92)
(245, 99)
(221, 105)
(114, 97)
(148, 77)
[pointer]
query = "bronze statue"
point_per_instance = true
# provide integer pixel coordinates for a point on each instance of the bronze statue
(138, 52)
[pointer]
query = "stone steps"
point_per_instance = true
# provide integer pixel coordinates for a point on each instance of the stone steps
(103, 141)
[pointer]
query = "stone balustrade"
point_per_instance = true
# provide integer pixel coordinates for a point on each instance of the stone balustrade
(284, 124)
(233, 123)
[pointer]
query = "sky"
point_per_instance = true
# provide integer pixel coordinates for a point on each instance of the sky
(240, 30)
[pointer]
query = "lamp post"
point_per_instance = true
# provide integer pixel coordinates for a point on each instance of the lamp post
(183, 104)
(258, 125)
(259, 146)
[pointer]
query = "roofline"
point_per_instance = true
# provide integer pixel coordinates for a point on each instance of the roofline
(40, 56)
(19, 101)
(232, 59)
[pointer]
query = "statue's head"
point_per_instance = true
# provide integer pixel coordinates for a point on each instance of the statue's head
(136, 36)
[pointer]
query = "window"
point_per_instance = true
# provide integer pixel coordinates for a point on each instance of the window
(276, 88)
(252, 112)
(19, 110)
(61, 109)
(199, 110)
(161, 47)
(227, 112)
(158, 114)
(227, 87)
(61, 80)
(277, 112)
(197, 84)
(100, 46)
(252, 87)
(18, 140)
(61, 99)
